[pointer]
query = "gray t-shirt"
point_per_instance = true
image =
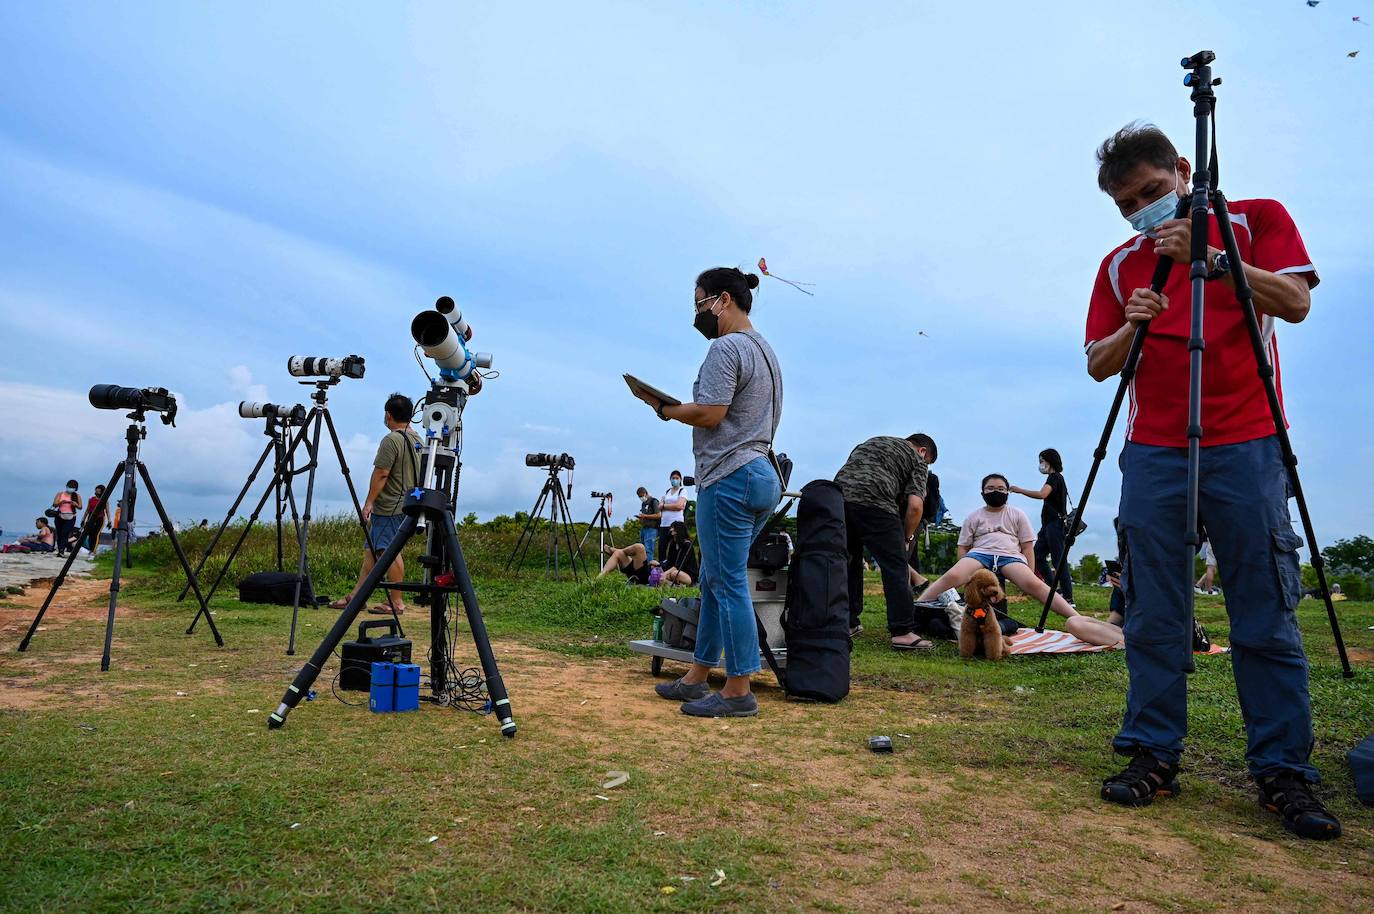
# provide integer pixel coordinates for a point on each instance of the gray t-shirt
(735, 374)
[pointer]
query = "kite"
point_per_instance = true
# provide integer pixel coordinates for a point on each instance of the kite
(1352, 53)
(1313, 2)
(1357, 19)
(763, 268)
(923, 333)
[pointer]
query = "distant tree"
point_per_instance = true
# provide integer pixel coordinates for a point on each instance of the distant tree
(1089, 569)
(1355, 554)
(470, 519)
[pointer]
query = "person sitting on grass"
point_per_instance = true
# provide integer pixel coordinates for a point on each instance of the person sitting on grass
(632, 561)
(999, 538)
(679, 557)
(39, 541)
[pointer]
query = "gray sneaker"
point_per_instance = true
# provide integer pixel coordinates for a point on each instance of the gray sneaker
(716, 705)
(677, 690)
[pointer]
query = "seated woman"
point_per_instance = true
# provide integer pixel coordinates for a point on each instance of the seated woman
(679, 557)
(1000, 538)
(632, 561)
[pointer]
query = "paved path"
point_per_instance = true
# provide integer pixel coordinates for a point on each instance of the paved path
(23, 568)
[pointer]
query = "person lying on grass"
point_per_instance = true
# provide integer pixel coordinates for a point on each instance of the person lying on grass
(632, 561)
(999, 538)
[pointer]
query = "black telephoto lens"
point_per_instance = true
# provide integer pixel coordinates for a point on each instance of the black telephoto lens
(112, 396)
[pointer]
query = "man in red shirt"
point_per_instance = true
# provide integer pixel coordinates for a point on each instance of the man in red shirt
(1243, 485)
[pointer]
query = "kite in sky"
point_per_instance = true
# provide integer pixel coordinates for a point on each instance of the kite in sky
(1313, 2)
(763, 268)
(1352, 53)
(1357, 19)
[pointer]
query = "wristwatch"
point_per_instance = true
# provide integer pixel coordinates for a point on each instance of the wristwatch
(1220, 266)
(659, 410)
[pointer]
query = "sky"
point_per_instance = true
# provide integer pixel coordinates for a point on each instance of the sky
(191, 193)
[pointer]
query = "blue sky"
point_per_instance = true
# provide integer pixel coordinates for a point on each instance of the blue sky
(192, 193)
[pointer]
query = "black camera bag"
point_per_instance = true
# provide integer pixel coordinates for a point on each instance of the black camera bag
(275, 587)
(768, 553)
(816, 615)
(680, 618)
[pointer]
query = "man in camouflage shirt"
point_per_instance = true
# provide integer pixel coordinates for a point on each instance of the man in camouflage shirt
(884, 482)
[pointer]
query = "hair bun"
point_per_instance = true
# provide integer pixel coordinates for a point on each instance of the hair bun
(751, 280)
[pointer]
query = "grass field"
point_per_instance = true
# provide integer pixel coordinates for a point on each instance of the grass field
(157, 786)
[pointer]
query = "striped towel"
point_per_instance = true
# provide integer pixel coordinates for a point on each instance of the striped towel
(1028, 641)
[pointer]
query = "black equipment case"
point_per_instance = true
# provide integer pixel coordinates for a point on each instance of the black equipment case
(355, 672)
(276, 587)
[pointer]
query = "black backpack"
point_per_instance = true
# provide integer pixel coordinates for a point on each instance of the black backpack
(277, 587)
(816, 615)
(680, 621)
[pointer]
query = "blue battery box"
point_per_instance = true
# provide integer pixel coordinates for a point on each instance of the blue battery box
(395, 687)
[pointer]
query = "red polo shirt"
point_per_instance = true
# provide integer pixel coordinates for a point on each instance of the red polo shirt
(1234, 408)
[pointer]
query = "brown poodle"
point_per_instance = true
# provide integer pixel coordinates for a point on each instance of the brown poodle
(979, 625)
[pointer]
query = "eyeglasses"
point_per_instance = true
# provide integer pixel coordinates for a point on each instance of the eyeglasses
(702, 301)
(994, 488)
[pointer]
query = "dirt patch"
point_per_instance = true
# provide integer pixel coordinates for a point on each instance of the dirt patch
(1361, 654)
(79, 600)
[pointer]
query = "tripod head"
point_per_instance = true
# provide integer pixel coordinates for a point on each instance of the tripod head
(321, 385)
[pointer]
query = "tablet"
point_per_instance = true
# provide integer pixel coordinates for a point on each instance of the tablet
(637, 387)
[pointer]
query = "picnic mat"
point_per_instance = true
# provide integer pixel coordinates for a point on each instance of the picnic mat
(1029, 641)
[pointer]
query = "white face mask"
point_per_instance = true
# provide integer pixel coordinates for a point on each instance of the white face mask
(1044, 468)
(1146, 219)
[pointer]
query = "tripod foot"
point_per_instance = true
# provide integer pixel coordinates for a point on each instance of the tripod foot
(277, 719)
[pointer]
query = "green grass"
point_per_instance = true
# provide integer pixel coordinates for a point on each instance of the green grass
(793, 808)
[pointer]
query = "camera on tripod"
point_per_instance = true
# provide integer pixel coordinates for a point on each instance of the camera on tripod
(307, 366)
(559, 461)
(139, 399)
(295, 415)
(601, 495)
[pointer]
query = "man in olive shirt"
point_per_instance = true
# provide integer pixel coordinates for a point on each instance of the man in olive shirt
(395, 471)
(884, 482)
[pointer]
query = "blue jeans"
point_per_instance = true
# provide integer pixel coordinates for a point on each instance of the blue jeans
(1244, 505)
(730, 514)
(648, 536)
(383, 528)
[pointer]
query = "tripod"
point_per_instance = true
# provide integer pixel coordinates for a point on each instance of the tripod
(1205, 191)
(446, 570)
(317, 418)
(135, 433)
(602, 524)
(560, 523)
(278, 430)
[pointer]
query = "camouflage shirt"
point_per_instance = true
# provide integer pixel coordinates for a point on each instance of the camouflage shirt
(881, 473)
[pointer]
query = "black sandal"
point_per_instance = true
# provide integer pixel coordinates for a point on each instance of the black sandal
(1289, 795)
(1141, 781)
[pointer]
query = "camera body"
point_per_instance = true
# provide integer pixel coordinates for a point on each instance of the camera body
(138, 399)
(601, 495)
(294, 415)
(312, 366)
(558, 461)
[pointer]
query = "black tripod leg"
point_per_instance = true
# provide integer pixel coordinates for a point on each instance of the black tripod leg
(348, 480)
(180, 553)
(1246, 297)
(300, 686)
(126, 501)
(304, 537)
(566, 522)
(527, 534)
(66, 567)
(1061, 565)
(496, 688)
(214, 540)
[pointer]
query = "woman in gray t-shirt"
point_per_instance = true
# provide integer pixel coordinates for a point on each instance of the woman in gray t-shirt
(737, 401)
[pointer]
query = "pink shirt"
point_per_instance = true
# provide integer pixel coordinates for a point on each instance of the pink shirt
(996, 532)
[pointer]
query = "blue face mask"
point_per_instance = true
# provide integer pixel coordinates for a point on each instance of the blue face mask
(1147, 218)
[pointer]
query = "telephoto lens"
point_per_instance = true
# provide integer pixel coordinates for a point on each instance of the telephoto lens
(112, 396)
(249, 410)
(563, 461)
(601, 495)
(306, 366)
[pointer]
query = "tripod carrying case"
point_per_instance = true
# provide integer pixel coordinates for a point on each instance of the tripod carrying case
(275, 587)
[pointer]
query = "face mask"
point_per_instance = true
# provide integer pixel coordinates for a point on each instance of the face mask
(707, 322)
(995, 499)
(70, 489)
(675, 482)
(1146, 219)
(1044, 468)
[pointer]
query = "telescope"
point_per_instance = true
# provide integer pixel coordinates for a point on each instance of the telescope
(443, 334)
